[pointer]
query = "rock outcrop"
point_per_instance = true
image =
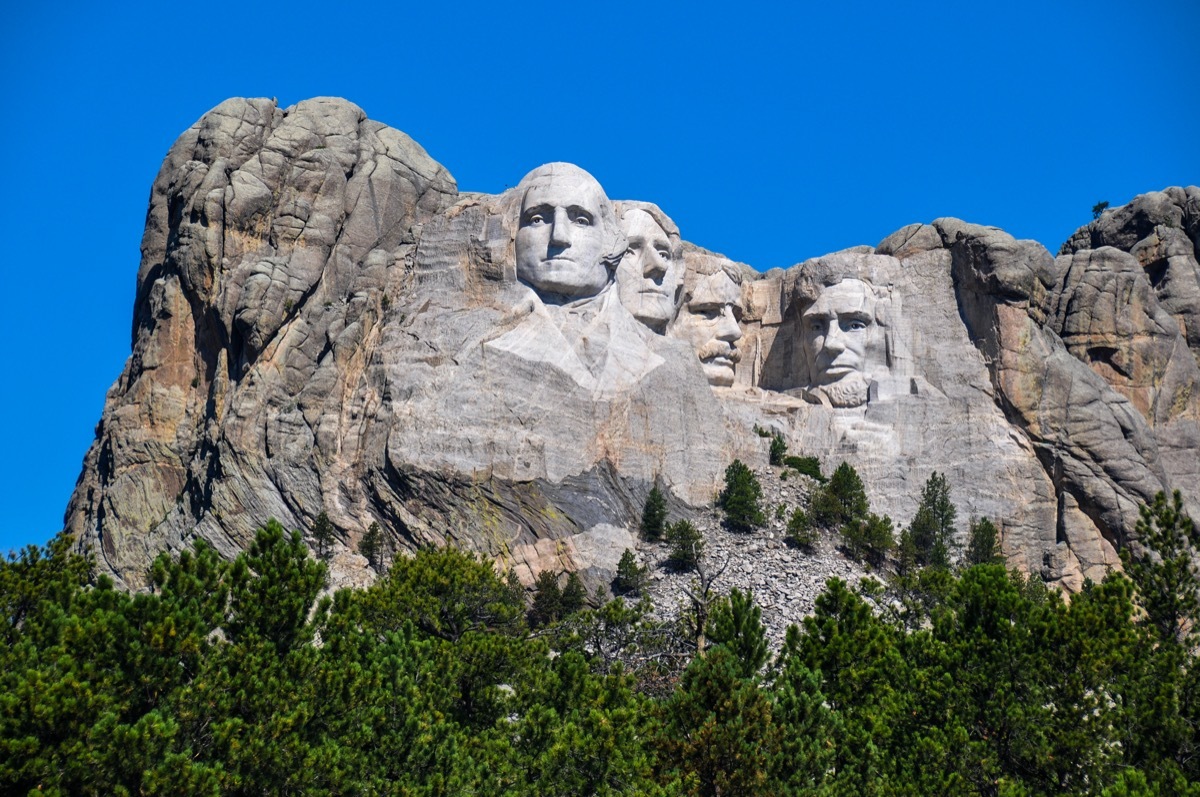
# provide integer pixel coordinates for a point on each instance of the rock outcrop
(323, 323)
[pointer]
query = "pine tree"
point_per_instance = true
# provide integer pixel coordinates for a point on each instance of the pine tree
(654, 515)
(547, 600)
(932, 527)
(630, 577)
(840, 500)
(574, 596)
(983, 546)
(324, 535)
(736, 623)
(740, 498)
(687, 545)
(800, 530)
(870, 538)
(371, 545)
(1165, 572)
(778, 449)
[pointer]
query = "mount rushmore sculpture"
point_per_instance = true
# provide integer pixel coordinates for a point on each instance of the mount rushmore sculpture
(324, 323)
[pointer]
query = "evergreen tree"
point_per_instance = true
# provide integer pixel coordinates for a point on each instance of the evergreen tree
(445, 593)
(869, 538)
(574, 596)
(800, 530)
(1166, 573)
(932, 527)
(324, 535)
(547, 600)
(687, 545)
(371, 545)
(740, 498)
(631, 578)
(778, 449)
(654, 515)
(717, 736)
(983, 546)
(840, 500)
(736, 623)
(906, 554)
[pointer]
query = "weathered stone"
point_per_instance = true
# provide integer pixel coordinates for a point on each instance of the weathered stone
(323, 323)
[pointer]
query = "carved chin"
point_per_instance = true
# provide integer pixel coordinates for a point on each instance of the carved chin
(719, 374)
(848, 392)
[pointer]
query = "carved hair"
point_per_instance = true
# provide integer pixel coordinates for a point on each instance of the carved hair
(627, 206)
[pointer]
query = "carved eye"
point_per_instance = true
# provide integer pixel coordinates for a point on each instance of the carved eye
(535, 219)
(665, 254)
(816, 327)
(582, 220)
(856, 325)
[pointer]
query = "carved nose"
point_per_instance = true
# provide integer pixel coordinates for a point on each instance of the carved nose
(560, 229)
(654, 267)
(835, 340)
(728, 331)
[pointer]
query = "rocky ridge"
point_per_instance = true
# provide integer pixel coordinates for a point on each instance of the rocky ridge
(324, 323)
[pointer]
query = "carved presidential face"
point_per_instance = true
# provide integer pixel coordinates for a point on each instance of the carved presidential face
(840, 335)
(710, 322)
(561, 237)
(648, 274)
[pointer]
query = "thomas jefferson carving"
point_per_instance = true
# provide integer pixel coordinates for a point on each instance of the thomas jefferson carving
(648, 274)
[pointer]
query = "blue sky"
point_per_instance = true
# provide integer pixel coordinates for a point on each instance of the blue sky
(770, 133)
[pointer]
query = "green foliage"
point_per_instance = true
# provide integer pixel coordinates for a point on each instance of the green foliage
(717, 736)
(446, 593)
(631, 578)
(371, 545)
(807, 466)
(1165, 571)
(778, 449)
(1099, 208)
(687, 545)
(869, 538)
(800, 530)
(324, 535)
(740, 498)
(735, 622)
(238, 678)
(654, 515)
(932, 527)
(547, 600)
(574, 596)
(840, 500)
(983, 543)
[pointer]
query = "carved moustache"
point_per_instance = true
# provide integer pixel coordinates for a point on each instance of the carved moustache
(719, 348)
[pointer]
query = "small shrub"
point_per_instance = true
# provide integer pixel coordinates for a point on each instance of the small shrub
(800, 530)
(687, 545)
(807, 466)
(1098, 209)
(778, 449)
(781, 512)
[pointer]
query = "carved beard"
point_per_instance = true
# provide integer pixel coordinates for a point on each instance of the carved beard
(848, 392)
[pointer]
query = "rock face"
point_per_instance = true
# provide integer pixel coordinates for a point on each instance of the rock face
(324, 323)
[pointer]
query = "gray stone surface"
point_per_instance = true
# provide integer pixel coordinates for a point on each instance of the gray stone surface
(324, 323)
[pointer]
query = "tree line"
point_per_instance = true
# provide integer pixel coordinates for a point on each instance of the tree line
(443, 678)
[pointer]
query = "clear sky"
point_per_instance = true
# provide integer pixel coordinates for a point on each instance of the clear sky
(770, 132)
